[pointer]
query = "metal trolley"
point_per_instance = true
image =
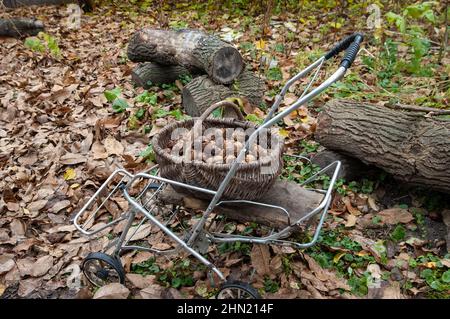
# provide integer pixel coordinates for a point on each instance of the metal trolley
(141, 192)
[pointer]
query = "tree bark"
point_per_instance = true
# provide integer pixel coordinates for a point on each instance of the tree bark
(201, 92)
(412, 147)
(297, 200)
(191, 49)
(87, 5)
(20, 27)
(148, 73)
(250, 86)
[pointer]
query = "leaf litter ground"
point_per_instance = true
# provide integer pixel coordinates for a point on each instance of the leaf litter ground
(60, 139)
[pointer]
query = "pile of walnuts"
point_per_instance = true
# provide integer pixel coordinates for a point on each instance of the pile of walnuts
(218, 146)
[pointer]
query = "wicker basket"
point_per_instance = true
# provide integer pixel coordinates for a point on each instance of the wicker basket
(248, 182)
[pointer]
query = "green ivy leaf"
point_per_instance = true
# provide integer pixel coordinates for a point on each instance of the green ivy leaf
(446, 277)
(398, 20)
(119, 105)
(274, 74)
(140, 113)
(111, 95)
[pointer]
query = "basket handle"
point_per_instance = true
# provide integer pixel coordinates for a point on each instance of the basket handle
(228, 104)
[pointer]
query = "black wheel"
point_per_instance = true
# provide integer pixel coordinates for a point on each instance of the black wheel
(102, 269)
(237, 290)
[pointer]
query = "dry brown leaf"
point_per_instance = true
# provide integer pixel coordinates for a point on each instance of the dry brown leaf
(351, 220)
(60, 206)
(140, 281)
(25, 266)
(350, 208)
(151, 292)
(27, 286)
(6, 264)
(18, 227)
(72, 159)
(42, 266)
(37, 205)
(394, 216)
(112, 291)
(276, 264)
(372, 204)
(141, 233)
(99, 151)
(162, 246)
(260, 256)
(142, 256)
(112, 146)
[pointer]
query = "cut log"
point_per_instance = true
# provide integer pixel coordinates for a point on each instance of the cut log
(87, 5)
(250, 86)
(201, 92)
(148, 73)
(20, 27)
(191, 49)
(297, 200)
(352, 169)
(413, 148)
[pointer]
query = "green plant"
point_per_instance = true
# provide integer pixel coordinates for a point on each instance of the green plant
(147, 97)
(271, 285)
(243, 248)
(274, 74)
(399, 233)
(42, 43)
(119, 104)
(148, 154)
(414, 35)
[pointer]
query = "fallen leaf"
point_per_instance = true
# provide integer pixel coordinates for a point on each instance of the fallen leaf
(37, 205)
(151, 292)
(140, 281)
(72, 159)
(27, 286)
(350, 208)
(18, 227)
(99, 151)
(141, 233)
(112, 146)
(161, 246)
(260, 257)
(60, 206)
(42, 266)
(394, 216)
(69, 174)
(372, 205)
(351, 220)
(6, 264)
(112, 291)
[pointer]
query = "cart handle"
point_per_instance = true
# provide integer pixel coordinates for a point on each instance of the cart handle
(351, 44)
(224, 103)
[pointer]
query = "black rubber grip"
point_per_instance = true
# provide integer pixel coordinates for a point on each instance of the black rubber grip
(352, 51)
(341, 46)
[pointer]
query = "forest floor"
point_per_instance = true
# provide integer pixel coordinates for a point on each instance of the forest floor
(61, 139)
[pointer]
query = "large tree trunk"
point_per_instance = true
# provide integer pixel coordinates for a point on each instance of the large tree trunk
(297, 200)
(192, 49)
(201, 92)
(148, 73)
(20, 27)
(408, 145)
